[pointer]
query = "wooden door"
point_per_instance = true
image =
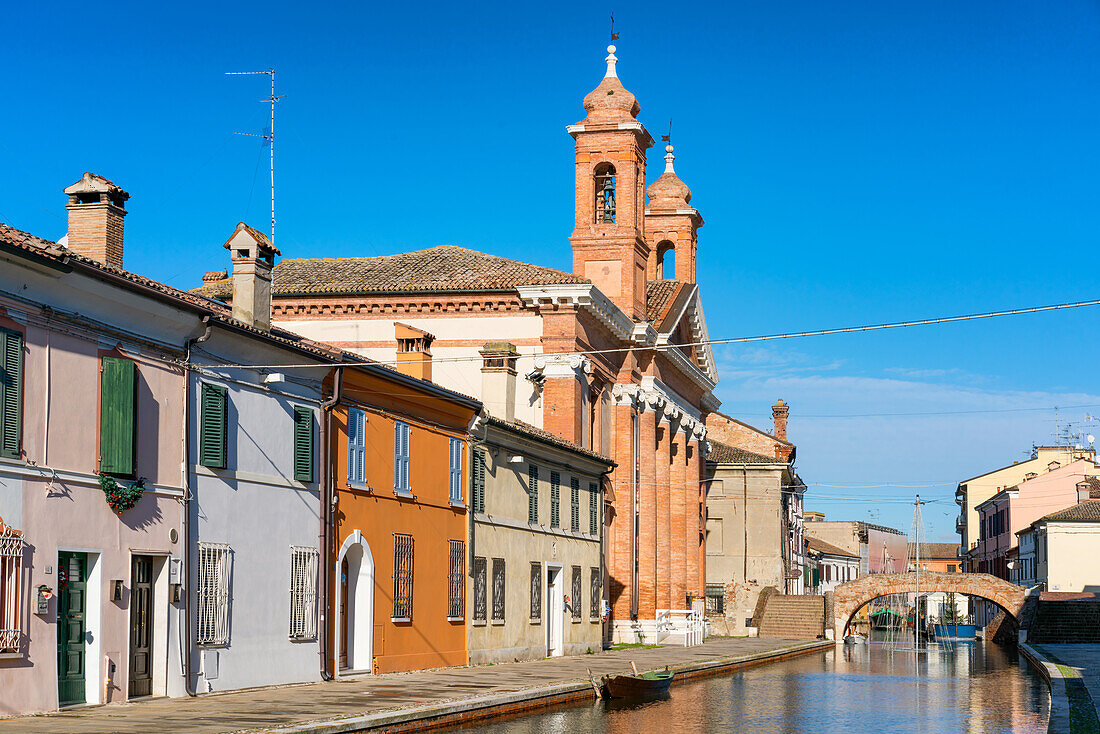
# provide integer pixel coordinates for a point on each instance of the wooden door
(344, 614)
(141, 626)
(72, 588)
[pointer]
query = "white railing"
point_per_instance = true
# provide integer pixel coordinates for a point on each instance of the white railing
(689, 623)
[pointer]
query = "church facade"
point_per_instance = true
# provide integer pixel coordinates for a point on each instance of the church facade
(611, 356)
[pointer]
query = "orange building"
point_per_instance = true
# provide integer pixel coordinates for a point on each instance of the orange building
(397, 522)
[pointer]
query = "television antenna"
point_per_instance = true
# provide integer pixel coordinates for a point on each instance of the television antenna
(269, 136)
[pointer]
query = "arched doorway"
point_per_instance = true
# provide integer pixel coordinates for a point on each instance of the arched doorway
(355, 601)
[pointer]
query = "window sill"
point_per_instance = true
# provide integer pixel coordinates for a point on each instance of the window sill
(498, 622)
(576, 620)
(360, 487)
(478, 623)
(401, 620)
(535, 621)
(11, 656)
(458, 505)
(456, 619)
(403, 495)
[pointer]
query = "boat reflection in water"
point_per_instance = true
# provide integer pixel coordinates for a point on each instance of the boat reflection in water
(976, 687)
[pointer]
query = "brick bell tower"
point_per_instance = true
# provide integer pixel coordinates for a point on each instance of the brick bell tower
(609, 244)
(672, 224)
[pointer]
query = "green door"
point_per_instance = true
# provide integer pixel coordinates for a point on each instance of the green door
(71, 602)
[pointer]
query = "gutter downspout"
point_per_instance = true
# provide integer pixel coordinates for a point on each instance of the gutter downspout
(604, 476)
(324, 536)
(185, 648)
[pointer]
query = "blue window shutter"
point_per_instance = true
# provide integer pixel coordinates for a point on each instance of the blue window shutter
(357, 445)
(456, 470)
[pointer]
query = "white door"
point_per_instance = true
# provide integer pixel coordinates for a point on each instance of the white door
(356, 619)
(555, 612)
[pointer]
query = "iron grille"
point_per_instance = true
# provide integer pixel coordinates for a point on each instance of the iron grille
(479, 589)
(555, 500)
(303, 592)
(575, 602)
(594, 601)
(212, 594)
(402, 576)
(498, 589)
(11, 588)
(456, 581)
(536, 592)
(533, 494)
(575, 504)
(593, 508)
(716, 599)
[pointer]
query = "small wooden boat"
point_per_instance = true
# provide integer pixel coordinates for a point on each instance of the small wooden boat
(644, 685)
(855, 639)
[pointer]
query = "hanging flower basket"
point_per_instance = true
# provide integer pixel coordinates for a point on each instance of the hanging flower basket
(121, 497)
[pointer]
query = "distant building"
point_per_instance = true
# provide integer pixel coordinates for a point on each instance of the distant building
(880, 549)
(973, 491)
(1058, 552)
(832, 565)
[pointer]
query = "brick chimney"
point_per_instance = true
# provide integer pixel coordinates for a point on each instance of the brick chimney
(779, 415)
(414, 351)
(253, 258)
(498, 379)
(96, 210)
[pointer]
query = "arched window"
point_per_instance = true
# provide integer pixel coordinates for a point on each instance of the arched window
(666, 260)
(605, 194)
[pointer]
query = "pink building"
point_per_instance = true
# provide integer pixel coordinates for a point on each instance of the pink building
(1012, 509)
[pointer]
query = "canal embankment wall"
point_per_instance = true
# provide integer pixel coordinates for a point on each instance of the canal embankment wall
(1072, 708)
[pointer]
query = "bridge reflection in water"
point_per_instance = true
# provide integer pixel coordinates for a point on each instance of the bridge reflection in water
(976, 687)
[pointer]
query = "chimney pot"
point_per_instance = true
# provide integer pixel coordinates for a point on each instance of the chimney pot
(779, 415)
(96, 211)
(498, 379)
(253, 258)
(414, 351)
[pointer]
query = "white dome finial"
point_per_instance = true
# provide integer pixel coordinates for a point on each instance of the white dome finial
(669, 158)
(611, 60)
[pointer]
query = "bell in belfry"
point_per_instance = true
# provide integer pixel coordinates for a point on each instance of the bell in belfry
(609, 199)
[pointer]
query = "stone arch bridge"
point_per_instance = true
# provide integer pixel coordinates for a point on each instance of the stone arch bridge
(848, 597)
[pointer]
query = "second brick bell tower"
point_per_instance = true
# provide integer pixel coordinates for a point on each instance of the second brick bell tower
(609, 244)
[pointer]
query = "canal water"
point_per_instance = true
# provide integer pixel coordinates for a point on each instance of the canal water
(971, 687)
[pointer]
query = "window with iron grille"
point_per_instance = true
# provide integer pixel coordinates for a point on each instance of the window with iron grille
(455, 473)
(11, 589)
(11, 394)
(555, 499)
(357, 446)
(716, 598)
(479, 590)
(536, 592)
(303, 444)
(594, 600)
(402, 576)
(478, 476)
(498, 589)
(575, 504)
(303, 593)
(212, 594)
(401, 452)
(456, 581)
(533, 494)
(593, 508)
(575, 602)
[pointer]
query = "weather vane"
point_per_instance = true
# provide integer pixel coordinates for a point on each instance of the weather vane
(668, 138)
(614, 35)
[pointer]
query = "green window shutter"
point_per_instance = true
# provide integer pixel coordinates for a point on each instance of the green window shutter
(116, 416)
(303, 444)
(479, 481)
(11, 393)
(212, 427)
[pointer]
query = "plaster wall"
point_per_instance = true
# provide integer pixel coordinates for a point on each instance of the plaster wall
(258, 508)
(1071, 550)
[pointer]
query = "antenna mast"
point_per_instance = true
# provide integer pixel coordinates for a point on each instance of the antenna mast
(269, 136)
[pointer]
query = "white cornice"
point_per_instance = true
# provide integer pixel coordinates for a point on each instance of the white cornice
(582, 295)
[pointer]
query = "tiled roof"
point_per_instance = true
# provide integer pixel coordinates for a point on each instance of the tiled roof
(721, 453)
(1087, 511)
(1094, 487)
(935, 551)
(658, 297)
(437, 269)
(546, 436)
(822, 547)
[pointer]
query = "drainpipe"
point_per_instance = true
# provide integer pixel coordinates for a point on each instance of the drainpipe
(604, 476)
(185, 648)
(323, 486)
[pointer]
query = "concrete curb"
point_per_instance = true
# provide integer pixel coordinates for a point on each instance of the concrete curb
(448, 713)
(1059, 700)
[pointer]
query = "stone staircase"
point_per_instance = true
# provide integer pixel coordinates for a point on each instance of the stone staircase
(1066, 621)
(792, 617)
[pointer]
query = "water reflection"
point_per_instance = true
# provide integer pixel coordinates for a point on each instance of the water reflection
(972, 687)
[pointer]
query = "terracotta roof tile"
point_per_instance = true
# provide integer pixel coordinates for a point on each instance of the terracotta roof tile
(437, 269)
(935, 551)
(1087, 511)
(658, 297)
(822, 547)
(721, 453)
(538, 433)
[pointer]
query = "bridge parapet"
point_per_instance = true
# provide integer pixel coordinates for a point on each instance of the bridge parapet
(851, 595)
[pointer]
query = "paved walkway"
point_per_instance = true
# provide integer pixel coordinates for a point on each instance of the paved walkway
(1083, 660)
(352, 698)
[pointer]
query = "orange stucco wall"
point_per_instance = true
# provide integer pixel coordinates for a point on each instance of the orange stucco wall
(430, 639)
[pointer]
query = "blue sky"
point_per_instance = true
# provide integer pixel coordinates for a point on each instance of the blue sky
(854, 161)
